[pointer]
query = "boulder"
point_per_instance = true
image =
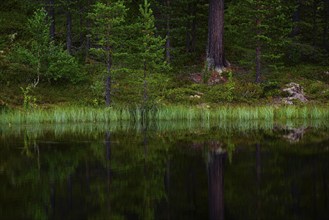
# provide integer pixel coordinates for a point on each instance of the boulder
(295, 92)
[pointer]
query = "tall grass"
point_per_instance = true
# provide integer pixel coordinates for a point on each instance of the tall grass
(166, 113)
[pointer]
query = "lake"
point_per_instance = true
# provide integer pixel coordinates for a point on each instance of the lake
(168, 170)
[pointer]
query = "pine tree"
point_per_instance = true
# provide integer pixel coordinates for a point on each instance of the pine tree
(215, 48)
(183, 24)
(151, 48)
(48, 61)
(258, 32)
(107, 19)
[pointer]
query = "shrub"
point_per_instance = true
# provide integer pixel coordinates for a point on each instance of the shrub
(41, 58)
(247, 92)
(271, 89)
(224, 92)
(317, 90)
(216, 94)
(179, 95)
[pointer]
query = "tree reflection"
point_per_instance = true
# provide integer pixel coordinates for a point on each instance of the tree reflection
(216, 183)
(146, 174)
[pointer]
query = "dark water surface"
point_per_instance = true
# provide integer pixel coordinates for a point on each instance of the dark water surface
(165, 171)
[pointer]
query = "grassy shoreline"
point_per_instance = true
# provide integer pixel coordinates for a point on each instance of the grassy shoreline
(77, 114)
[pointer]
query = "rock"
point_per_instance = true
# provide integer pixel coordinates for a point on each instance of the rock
(295, 134)
(196, 77)
(216, 78)
(195, 97)
(295, 92)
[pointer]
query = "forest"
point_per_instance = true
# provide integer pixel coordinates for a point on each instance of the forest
(153, 53)
(164, 109)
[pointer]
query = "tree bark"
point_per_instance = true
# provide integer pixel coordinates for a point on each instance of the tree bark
(88, 26)
(191, 28)
(296, 20)
(108, 78)
(51, 13)
(108, 67)
(68, 28)
(326, 26)
(168, 56)
(215, 49)
(81, 18)
(145, 89)
(315, 28)
(193, 31)
(258, 62)
(258, 50)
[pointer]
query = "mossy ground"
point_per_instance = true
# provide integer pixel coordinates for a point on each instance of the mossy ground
(177, 89)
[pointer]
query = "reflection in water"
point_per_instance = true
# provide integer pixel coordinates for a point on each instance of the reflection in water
(295, 134)
(216, 184)
(108, 165)
(156, 173)
(258, 180)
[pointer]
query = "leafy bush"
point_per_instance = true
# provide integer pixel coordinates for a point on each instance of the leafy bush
(98, 92)
(29, 100)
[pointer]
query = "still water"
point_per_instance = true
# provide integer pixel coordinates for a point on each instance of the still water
(165, 171)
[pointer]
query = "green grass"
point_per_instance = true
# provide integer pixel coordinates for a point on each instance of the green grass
(168, 113)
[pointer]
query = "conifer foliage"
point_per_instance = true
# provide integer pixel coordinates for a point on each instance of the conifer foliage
(107, 19)
(258, 31)
(47, 61)
(151, 47)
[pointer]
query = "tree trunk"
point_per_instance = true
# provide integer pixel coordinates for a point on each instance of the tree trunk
(145, 89)
(81, 18)
(191, 28)
(215, 49)
(68, 28)
(326, 26)
(108, 67)
(193, 31)
(168, 56)
(296, 20)
(315, 28)
(258, 51)
(51, 12)
(188, 31)
(88, 27)
(108, 79)
(258, 62)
